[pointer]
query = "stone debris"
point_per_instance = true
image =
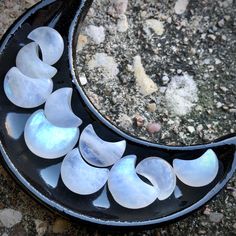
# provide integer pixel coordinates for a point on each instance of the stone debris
(156, 25)
(41, 227)
(139, 120)
(118, 7)
(60, 226)
(152, 107)
(122, 23)
(181, 94)
(10, 217)
(102, 60)
(144, 83)
(216, 217)
(180, 6)
(153, 128)
(82, 41)
(96, 33)
(83, 80)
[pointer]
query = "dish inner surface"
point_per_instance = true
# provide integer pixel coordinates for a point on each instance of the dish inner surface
(161, 71)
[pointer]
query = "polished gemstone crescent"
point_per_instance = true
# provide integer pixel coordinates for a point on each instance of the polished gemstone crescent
(50, 42)
(127, 188)
(198, 172)
(98, 152)
(58, 109)
(80, 177)
(24, 91)
(160, 173)
(29, 63)
(46, 140)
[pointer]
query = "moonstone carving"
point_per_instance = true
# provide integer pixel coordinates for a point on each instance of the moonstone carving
(58, 109)
(29, 63)
(199, 172)
(80, 177)
(24, 91)
(98, 152)
(50, 42)
(160, 173)
(127, 188)
(46, 140)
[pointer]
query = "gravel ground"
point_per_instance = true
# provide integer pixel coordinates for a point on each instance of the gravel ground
(20, 215)
(185, 82)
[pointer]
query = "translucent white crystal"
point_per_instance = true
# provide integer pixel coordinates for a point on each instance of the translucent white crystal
(58, 109)
(80, 177)
(127, 188)
(50, 42)
(46, 140)
(97, 151)
(24, 91)
(160, 173)
(198, 172)
(29, 63)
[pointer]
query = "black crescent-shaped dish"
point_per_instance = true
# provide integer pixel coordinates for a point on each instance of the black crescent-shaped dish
(41, 178)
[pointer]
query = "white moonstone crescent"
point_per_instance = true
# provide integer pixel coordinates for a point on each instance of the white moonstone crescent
(29, 63)
(80, 177)
(198, 172)
(160, 173)
(127, 188)
(98, 152)
(24, 91)
(46, 140)
(50, 42)
(58, 109)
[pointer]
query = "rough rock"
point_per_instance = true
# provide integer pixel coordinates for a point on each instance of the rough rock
(60, 226)
(106, 62)
(144, 82)
(180, 6)
(41, 227)
(156, 25)
(122, 24)
(10, 217)
(82, 41)
(216, 217)
(153, 128)
(96, 33)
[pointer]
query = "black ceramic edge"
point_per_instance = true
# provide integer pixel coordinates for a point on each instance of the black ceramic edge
(53, 205)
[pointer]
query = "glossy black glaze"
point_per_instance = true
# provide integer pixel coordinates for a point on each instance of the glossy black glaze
(41, 178)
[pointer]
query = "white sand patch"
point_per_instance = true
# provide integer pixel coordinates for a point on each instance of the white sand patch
(181, 95)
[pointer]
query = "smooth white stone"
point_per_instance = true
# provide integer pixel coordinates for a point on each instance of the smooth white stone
(24, 91)
(98, 152)
(58, 109)
(29, 63)
(198, 172)
(127, 188)
(46, 140)
(50, 42)
(160, 173)
(80, 177)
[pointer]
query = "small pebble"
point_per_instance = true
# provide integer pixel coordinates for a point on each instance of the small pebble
(41, 227)
(83, 79)
(216, 217)
(165, 80)
(60, 226)
(153, 128)
(139, 121)
(10, 217)
(191, 129)
(96, 33)
(152, 107)
(180, 6)
(122, 24)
